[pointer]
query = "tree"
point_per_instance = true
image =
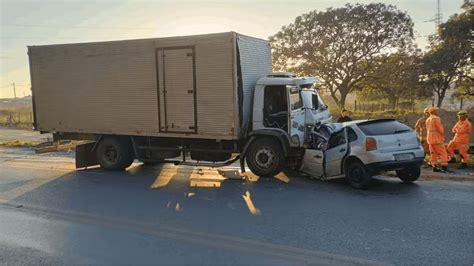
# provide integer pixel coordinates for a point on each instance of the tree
(394, 77)
(340, 45)
(464, 88)
(441, 66)
(450, 55)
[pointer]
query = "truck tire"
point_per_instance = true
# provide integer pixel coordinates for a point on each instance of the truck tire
(114, 153)
(265, 157)
(357, 175)
(409, 174)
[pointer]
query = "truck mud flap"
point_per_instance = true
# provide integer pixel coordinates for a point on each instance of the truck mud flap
(85, 155)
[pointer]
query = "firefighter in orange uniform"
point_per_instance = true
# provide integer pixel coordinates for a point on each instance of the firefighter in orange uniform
(420, 128)
(435, 139)
(462, 129)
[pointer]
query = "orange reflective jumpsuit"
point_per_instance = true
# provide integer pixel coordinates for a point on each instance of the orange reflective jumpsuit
(435, 139)
(460, 142)
(420, 128)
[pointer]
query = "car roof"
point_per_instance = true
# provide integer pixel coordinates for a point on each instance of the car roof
(367, 121)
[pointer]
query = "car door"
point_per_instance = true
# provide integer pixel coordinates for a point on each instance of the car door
(336, 151)
(313, 162)
(297, 117)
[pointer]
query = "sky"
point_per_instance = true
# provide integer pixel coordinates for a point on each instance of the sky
(39, 22)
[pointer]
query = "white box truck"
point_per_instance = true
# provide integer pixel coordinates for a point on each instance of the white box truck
(206, 99)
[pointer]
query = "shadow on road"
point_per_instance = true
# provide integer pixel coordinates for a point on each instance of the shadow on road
(164, 188)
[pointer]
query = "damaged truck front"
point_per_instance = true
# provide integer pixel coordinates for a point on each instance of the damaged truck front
(197, 100)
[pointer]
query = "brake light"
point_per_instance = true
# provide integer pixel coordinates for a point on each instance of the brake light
(370, 144)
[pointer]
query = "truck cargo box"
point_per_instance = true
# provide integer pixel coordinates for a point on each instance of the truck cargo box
(192, 86)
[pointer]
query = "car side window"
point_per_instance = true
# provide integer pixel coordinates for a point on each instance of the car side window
(351, 135)
(337, 139)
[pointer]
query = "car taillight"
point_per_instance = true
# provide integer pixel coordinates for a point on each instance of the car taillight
(370, 144)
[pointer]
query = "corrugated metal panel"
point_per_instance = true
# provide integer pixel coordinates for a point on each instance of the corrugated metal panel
(215, 82)
(112, 87)
(97, 87)
(255, 62)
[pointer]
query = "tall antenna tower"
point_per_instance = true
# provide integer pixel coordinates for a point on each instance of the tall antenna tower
(438, 17)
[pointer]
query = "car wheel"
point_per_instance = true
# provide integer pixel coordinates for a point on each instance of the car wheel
(265, 157)
(114, 153)
(409, 174)
(357, 174)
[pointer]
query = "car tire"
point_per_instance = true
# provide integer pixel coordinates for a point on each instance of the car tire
(409, 174)
(114, 153)
(357, 175)
(265, 157)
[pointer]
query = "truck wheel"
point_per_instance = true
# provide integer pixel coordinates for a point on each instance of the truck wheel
(409, 174)
(114, 153)
(358, 175)
(265, 157)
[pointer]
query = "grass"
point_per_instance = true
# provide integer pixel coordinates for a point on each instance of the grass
(19, 143)
(21, 117)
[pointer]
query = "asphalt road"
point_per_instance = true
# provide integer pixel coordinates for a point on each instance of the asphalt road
(52, 214)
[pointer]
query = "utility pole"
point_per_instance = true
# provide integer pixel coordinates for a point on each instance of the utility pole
(14, 90)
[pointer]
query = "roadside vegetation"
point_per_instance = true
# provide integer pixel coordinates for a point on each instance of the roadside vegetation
(16, 113)
(370, 51)
(19, 143)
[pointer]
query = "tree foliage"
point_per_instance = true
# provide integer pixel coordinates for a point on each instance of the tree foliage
(395, 77)
(450, 56)
(341, 45)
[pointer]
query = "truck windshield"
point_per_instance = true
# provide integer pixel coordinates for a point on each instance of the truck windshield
(312, 100)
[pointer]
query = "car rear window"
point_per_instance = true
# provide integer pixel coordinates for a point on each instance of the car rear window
(383, 127)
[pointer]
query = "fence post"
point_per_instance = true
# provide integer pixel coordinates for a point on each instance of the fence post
(372, 108)
(460, 105)
(19, 119)
(355, 106)
(31, 117)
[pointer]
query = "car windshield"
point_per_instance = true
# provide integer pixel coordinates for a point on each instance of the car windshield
(383, 127)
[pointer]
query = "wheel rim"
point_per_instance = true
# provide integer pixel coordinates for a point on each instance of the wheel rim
(265, 158)
(357, 174)
(111, 154)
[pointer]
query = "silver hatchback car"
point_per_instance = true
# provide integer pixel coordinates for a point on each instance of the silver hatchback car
(360, 149)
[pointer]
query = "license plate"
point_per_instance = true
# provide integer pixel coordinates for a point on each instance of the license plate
(404, 156)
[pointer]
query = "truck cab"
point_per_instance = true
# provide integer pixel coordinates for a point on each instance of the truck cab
(286, 103)
(286, 108)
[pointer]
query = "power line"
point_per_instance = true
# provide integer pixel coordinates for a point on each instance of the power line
(438, 18)
(76, 27)
(17, 85)
(33, 38)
